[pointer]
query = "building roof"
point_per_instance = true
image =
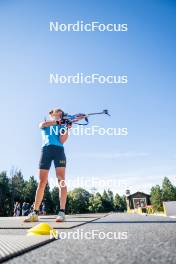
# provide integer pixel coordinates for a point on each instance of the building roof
(138, 194)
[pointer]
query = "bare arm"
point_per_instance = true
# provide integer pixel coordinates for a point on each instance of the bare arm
(47, 123)
(64, 137)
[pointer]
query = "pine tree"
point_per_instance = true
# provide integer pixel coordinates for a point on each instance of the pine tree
(107, 199)
(169, 192)
(119, 203)
(48, 201)
(6, 205)
(29, 190)
(80, 200)
(96, 203)
(17, 185)
(70, 203)
(156, 198)
(55, 199)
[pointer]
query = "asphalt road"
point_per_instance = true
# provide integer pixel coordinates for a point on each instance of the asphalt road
(138, 239)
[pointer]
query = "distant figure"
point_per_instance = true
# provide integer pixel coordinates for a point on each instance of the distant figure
(43, 209)
(25, 209)
(32, 208)
(17, 209)
(142, 204)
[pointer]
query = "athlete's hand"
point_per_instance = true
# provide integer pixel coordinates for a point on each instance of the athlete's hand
(69, 126)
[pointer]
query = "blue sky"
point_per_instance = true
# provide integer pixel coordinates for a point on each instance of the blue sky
(146, 106)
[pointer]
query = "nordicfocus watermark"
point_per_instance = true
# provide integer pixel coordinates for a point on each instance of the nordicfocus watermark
(89, 183)
(89, 131)
(81, 26)
(80, 234)
(81, 78)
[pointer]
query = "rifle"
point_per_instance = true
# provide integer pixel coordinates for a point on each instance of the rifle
(67, 119)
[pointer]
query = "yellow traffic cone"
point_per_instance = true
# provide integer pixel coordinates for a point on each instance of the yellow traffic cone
(42, 229)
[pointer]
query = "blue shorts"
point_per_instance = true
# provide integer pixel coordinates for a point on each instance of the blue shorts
(52, 153)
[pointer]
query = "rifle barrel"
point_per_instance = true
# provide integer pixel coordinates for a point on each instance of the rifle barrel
(99, 113)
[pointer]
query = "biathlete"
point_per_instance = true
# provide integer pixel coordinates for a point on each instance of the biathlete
(52, 150)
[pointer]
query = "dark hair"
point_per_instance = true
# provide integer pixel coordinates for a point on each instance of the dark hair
(57, 109)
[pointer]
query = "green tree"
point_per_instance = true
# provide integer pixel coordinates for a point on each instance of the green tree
(6, 206)
(156, 198)
(29, 190)
(80, 200)
(48, 200)
(111, 199)
(70, 203)
(55, 199)
(107, 199)
(96, 203)
(17, 186)
(169, 192)
(119, 203)
(124, 202)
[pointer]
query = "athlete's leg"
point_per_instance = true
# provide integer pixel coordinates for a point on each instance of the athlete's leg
(43, 179)
(60, 173)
